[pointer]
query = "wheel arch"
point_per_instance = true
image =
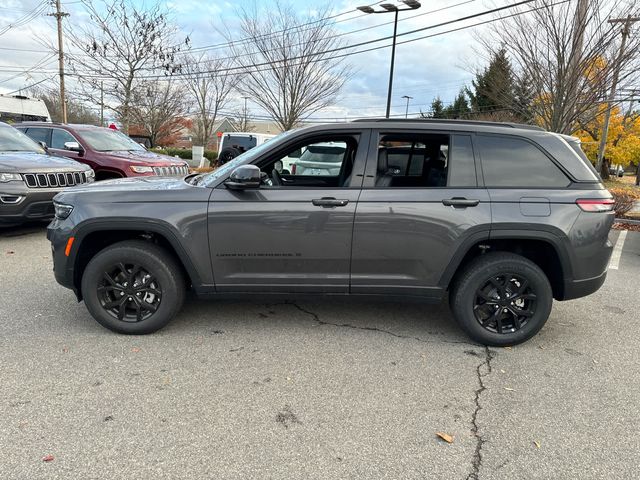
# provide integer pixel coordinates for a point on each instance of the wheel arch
(93, 236)
(543, 248)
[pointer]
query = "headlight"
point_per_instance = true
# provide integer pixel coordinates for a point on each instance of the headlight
(91, 175)
(62, 210)
(10, 177)
(141, 169)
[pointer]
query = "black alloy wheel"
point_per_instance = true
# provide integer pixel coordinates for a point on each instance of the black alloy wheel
(128, 292)
(505, 303)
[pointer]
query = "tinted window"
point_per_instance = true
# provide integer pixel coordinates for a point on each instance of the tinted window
(39, 134)
(412, 160)
(512, 162)
(240, 142)
(60, 137)
(462, 172)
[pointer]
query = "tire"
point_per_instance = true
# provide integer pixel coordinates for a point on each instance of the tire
(227, 154)
(487, 305)
(150, 305)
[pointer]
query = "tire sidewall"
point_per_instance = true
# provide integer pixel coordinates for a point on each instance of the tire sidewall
(169, 303)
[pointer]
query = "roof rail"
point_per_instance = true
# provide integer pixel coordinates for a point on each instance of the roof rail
(454, 121)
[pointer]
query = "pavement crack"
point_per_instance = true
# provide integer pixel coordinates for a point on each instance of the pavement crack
(316, 318)
(482, 370)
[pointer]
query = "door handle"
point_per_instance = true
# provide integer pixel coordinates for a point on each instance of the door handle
(329, 202)
(460, 202)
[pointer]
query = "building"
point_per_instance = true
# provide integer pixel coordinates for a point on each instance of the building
(18, 108)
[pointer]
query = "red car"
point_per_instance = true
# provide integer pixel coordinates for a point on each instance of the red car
(110, 153)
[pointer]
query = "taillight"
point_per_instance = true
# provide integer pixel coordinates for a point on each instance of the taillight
(293, 169)
(595, 204)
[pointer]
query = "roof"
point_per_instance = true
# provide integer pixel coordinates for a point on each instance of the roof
(23, 106)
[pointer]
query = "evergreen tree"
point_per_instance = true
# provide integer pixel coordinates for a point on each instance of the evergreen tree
(494, 88)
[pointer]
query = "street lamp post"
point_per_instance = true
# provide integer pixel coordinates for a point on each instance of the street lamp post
(391, 8)
(406, 112)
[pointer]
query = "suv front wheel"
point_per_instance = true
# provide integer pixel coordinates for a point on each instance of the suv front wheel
(133, 287)
(501, 299)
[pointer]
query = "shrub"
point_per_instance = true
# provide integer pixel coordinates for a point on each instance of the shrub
(624, 198)
(185, 153)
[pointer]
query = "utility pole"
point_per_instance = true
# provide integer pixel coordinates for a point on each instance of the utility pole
(102, 103)
(614, 84)
(59, 15)
(245, 120)
(406, 112)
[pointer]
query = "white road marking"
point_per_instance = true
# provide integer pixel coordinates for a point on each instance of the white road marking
(617, 251)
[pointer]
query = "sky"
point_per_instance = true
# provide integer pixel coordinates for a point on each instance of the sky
(426, 68)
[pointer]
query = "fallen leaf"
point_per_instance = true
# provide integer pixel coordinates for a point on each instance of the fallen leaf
(47, 458)
(540, 347)
(502, 371)
(536, 443)
(509, 389)
(594, 361)
(445, 436)
(65, 349)
(135, 349)
(507, 348)
(10, 252)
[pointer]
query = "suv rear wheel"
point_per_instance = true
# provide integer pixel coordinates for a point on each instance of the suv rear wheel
(501, 299)
(133, 287)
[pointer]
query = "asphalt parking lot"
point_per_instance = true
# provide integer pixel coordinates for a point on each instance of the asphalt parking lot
(323, 389)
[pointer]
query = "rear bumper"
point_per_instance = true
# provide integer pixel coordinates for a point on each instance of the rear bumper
(582, 288)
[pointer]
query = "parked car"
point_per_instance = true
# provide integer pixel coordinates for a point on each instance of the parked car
(319, 159)
(110, 153)
(29, 178)
(233, 144)
(501, 218)
(616, 170)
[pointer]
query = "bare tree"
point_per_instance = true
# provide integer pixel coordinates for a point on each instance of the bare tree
(119, 46)
(566, 54)
(209, 82)
(287, 64)
(77, 111)
(157, 107)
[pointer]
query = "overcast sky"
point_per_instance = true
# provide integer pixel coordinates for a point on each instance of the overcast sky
(425, 68)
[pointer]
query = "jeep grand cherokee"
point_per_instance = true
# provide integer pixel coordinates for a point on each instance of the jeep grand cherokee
(502, 218)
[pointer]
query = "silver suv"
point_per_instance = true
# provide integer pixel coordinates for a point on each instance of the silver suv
(501, 218)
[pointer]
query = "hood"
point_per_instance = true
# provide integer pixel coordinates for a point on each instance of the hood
(28, 162)
(135, 190)
(152, 158)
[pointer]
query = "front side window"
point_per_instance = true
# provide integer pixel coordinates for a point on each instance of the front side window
(515, 163)
(325, 162)
(60, 137)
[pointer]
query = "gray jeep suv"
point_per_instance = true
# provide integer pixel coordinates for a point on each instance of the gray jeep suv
(29, 178)
(502, 218)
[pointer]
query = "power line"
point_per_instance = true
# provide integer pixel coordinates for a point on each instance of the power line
(32, 85)
(271, 64)
(37, 11)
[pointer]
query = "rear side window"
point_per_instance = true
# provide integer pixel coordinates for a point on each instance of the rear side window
(513, 162)
(39, 134)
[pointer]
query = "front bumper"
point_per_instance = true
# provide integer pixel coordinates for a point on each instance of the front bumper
(58, 234)
(31, 204)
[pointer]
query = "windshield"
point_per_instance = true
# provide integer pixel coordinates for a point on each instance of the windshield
(107, 140)
(247, 157)
(12, 140)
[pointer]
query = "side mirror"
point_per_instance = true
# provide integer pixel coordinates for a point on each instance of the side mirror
(244, 177)
(43, 145)
(73, 147)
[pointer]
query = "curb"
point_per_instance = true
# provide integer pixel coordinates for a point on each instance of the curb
(627, 220)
